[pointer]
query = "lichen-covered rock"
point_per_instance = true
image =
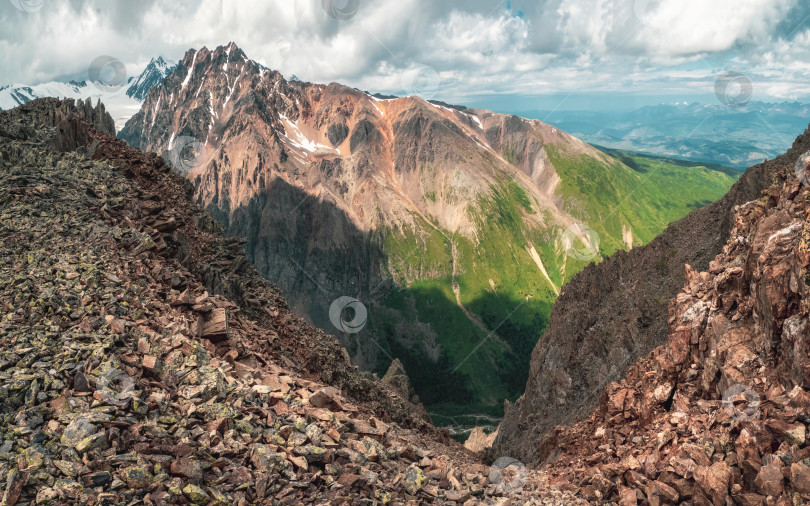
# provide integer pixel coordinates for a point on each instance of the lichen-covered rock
(267, 461)
(414, 479)
(47, 496)
(138, 477)
(77, 431)
(196, 495)
(311, 452)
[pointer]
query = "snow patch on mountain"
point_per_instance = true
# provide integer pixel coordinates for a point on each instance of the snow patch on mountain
(297, 138)
(189, 72)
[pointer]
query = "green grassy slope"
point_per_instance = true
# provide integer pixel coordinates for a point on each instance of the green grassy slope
(648, 197)
(456, 367)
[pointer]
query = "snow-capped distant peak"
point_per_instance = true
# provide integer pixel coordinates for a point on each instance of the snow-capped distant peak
(118, 104)
(155, 72)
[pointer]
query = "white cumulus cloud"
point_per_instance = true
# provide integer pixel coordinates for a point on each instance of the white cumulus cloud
(475, 47)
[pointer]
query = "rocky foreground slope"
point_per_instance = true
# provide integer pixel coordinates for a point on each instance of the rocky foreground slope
(142, 360)
(719, 414)
(615, 312)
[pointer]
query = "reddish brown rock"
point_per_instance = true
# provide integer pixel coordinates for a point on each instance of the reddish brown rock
(214, 325)
(479, 440)
(770, 480)
(328, 398)
(750, 499)
(800, 477)
(189, 468)
(627, 496)
(660, 493)
(714, 481)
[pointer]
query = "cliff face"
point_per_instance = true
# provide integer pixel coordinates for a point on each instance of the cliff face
(612, 313)
(455, 227)
(719, 414)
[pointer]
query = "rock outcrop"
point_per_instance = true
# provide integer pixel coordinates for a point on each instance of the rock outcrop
(398, 379)
(480, 441)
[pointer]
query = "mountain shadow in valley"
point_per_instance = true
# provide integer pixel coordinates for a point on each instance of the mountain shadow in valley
(312, 250)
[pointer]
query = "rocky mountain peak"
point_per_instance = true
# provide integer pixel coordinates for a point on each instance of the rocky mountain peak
(153, 74)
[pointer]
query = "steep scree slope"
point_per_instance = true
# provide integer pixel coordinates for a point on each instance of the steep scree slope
(613, 313)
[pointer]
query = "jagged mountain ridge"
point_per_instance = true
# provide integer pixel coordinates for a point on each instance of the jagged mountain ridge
(448, 223)
(121, 103)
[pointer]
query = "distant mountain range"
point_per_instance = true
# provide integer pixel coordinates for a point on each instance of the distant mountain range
(735, 137)
(121, 103)
(454, 227)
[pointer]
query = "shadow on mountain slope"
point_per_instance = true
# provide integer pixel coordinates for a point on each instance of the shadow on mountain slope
(312, 250)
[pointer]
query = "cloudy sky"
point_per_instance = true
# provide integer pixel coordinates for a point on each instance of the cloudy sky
(506, 55)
